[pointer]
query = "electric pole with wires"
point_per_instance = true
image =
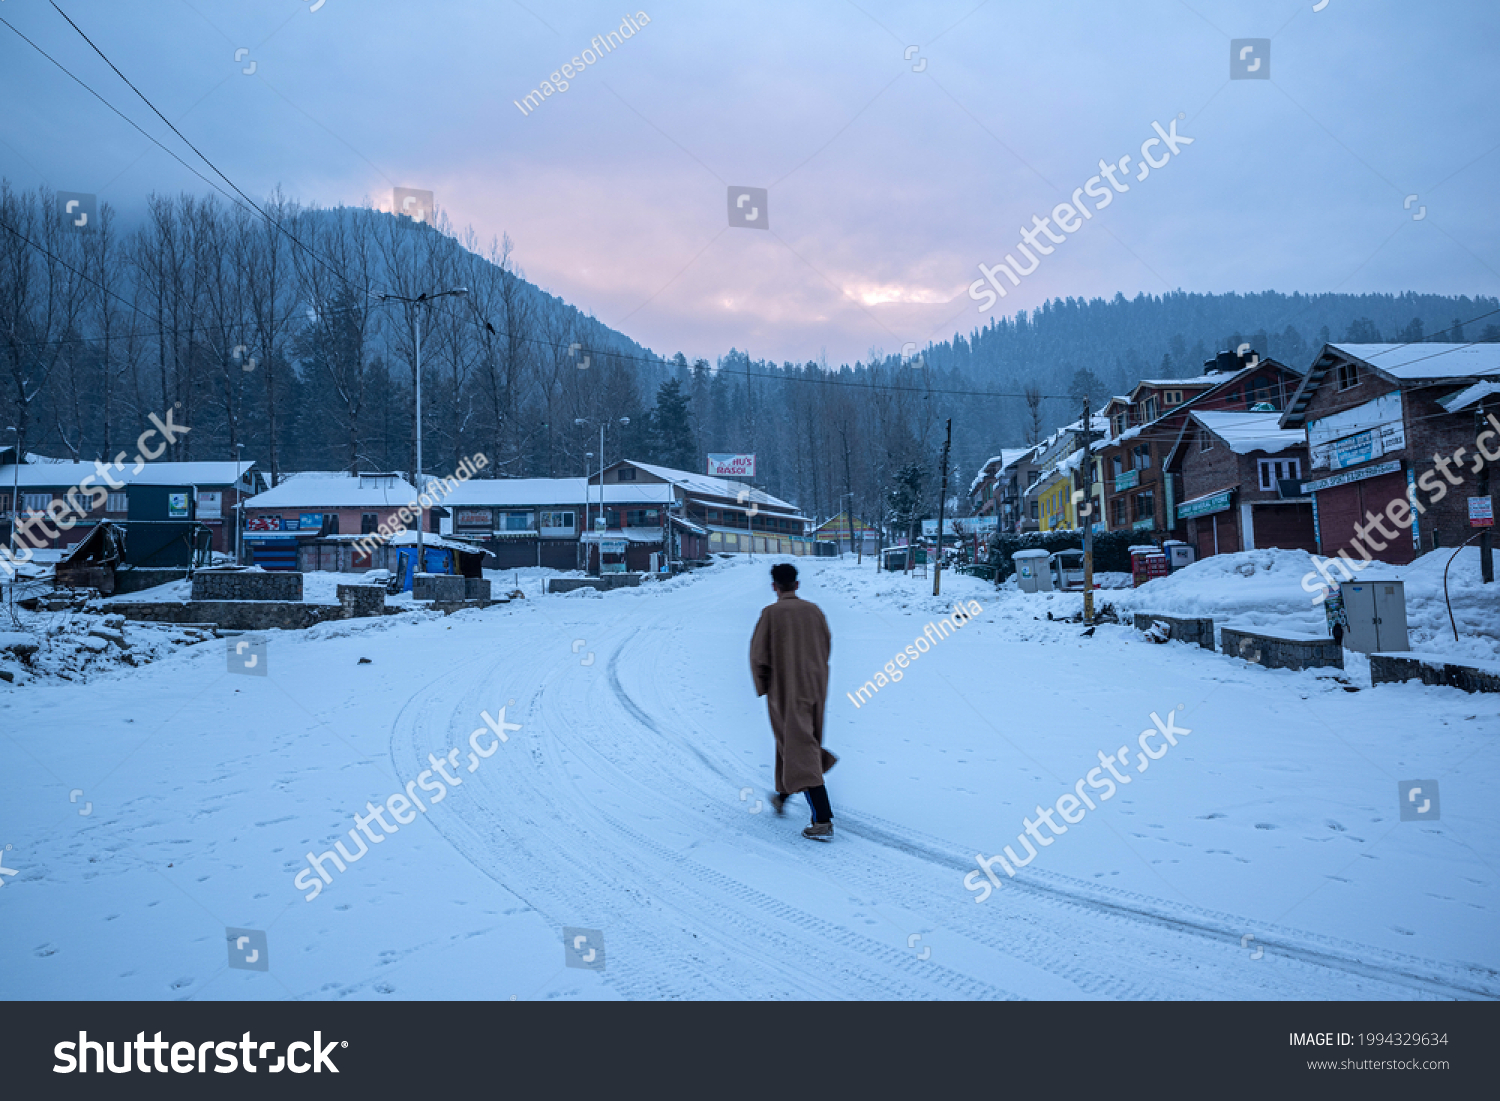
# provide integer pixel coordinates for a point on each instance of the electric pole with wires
(937, 569)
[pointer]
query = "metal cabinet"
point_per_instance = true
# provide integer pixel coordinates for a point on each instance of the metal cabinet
(1376, 614)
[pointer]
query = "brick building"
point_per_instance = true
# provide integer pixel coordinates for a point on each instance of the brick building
(1138, 494)
(1240, 476)
(1384, 423)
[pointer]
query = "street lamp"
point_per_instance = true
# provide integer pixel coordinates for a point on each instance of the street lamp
(421, 300)
(581, 422)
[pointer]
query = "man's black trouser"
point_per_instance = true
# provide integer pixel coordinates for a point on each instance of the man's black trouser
(817, 799)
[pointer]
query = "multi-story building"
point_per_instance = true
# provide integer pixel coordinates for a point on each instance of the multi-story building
(1241, 477)
(1138, 494)
(1000, 487)
(1399, 436)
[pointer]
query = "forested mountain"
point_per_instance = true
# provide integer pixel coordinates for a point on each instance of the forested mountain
(272, 337)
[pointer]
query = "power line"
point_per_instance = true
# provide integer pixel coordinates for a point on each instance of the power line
(122, 115)
(272, 221)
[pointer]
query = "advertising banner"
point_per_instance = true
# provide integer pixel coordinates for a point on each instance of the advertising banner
(731, 466)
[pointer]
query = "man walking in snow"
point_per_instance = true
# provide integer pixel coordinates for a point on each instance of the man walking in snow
(789, 661)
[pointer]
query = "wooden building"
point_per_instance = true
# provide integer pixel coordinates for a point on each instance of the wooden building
(1394, 423)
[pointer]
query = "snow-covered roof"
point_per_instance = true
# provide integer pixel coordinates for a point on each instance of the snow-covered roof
(1469, 395)
(713, 487)
(1072, 462)
(336, 489)
(59, 473)
(1247, 432)
(531, 492)
(408, 538)
(1008, 457)
(1421, 362)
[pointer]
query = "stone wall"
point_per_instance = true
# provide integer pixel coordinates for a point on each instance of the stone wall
(477, 588)
(235, 615)
(246, 585)
(1200, 631)
(608, 581)
(1282, 651)
(360, 601)
(1396, 668)
(444, 588)
(136, 580)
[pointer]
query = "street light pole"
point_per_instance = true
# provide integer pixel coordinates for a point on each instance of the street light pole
(581, 422)
(421, 300)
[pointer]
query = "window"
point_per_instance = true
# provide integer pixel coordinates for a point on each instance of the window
(1273, 471)
(625, 474)
(1148, 410)
(1257, 390)
(330, 523)
(1145, 506)
(1142, 453)
(5, 503)
(1172, 397)
(1116, 465)
(35, 502)
(369, 523)
(558, 520)
(117, 502)
(1348, 376)
(1205, 441)
(1117, 512)
(1116, 425)
(713, 515)
(643, 518)
(517, 521)
(1033, 510)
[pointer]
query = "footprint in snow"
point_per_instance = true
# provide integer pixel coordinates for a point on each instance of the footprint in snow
(1264, 826)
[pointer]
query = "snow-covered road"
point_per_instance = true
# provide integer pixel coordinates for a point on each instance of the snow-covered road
(1263, 857)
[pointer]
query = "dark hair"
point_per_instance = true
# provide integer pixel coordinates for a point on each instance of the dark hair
(784, 574)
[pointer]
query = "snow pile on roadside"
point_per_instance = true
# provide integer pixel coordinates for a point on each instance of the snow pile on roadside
(77, 646)
(1259, 588)
(1263, 588)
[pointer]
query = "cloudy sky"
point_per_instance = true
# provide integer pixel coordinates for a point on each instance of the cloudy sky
(890, 177)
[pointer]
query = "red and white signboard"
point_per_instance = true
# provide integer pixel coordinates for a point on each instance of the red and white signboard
(731, 466)
(1481, 512)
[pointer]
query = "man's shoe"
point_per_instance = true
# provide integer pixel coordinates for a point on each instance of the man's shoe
(819, 831)
(778, 803)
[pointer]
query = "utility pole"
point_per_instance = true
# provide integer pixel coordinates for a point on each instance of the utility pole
(424, 299)
(937, 570)
(1486, 550)
(1086, 516)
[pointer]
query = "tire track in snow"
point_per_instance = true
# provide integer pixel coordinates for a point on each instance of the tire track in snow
(1319, 953)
